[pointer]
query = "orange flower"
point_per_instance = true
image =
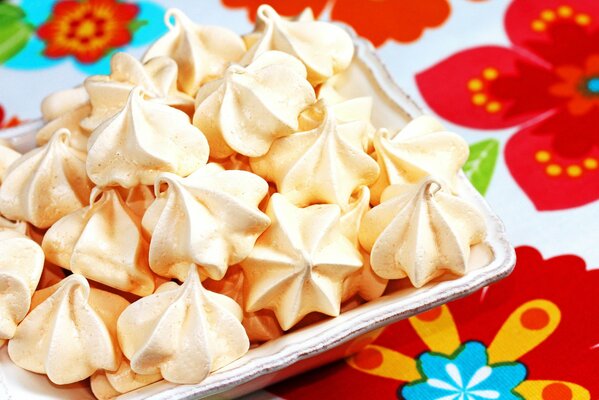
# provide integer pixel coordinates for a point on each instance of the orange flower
(87, 29)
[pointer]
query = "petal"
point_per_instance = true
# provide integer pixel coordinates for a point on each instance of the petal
(547, 28)
(471, 358)
(433, 366)
(551, 181)
(487, 87)
(422, 391)
(503, 378)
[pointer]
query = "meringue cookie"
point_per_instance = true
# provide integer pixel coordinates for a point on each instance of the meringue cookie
(251, 106)
(201, 52)
(260, 326)
(104, 243)
(183, 332)
(70, 332)
(46, 183)
(138, 198)
(107, 385)
(422, 148)
(324, 48)
(157, 77)
(210, 218)
(142, 140)
(7, 157)
(71, 121)
(21, 264)
(323, 165)
(236, 162)
(63, 102)
(420, 230)
(14, 226)
(299, 264)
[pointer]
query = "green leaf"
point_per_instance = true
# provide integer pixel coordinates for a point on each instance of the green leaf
(13, 37)
(10, 13)
(481, 163)
(136, 24)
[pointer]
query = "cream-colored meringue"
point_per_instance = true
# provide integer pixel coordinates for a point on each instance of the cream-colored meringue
(142, 140)
(16, 226)
(21, 264)
(184, 332)
(107, 385)
(260, 326)
(419, 231)
(201, 52)
(46, 183)
(322, 165)
(299, 264)
(7, 157)
(104, 243)
(210, 218)
(236, 162)
(324, 48)
(63, 102)
(422, 148)
(138, 198)
(251, 106)
(70, 120)
(157, 77)
(70, 332)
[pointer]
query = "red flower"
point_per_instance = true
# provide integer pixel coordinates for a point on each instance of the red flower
(87, 29)
(547, 83)
(377, 20)
(543, 315)
(13, 121)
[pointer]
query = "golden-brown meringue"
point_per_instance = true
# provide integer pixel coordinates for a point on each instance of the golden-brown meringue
(322, 165)
(324, 48)
(70, 120)
(260, 326)
(201, 52)
(422, 148)
(104, 243)
(299, 264)
(7, 157)
(184, 332)
(46, 183)
(21, 263)
(157, 77)
(210, 218)
(419, 231)
(70, 332)
(63, 102)
(251, 106)
(107, 385)
(138, 198)
(142, 140)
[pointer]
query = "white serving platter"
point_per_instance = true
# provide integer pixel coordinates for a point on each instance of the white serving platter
(326, 340)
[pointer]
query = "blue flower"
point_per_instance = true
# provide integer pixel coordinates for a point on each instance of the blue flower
(466, 375)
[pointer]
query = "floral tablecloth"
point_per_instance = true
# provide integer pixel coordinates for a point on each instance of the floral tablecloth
(519, 79)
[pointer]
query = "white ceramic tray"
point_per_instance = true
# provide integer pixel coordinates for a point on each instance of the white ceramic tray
(319, 343)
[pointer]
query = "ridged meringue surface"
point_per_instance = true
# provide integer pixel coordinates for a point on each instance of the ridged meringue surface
(420, 231)
(7, 157)
(322, 165)
(184, 332)
(142, 140)
(422, 148)
(201, 52)
(107, 385)
(157, 77)
(63, 102)
(324, 48)
(70, 120)
(247, 109)
(46, 183)
(21, 264)
(104, 243)
(299, 264)
(70, 332)
(210, 218)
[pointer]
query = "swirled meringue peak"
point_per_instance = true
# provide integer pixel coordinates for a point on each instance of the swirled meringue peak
(46, 183)
(107, 385)
(7, 157)
(419, 231)
(104, 243)
(322, 165)
(72, 121)
(299, 264)
(157, 77)
(247, 109)
(21, 264)
(324, 48)
(184, 332)
(201, 52)
(70, 332)
(422, 148)
(63, 102)
(210, 218)
(142, 140)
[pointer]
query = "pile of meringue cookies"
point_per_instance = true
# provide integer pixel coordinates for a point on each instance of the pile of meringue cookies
(209, 197)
